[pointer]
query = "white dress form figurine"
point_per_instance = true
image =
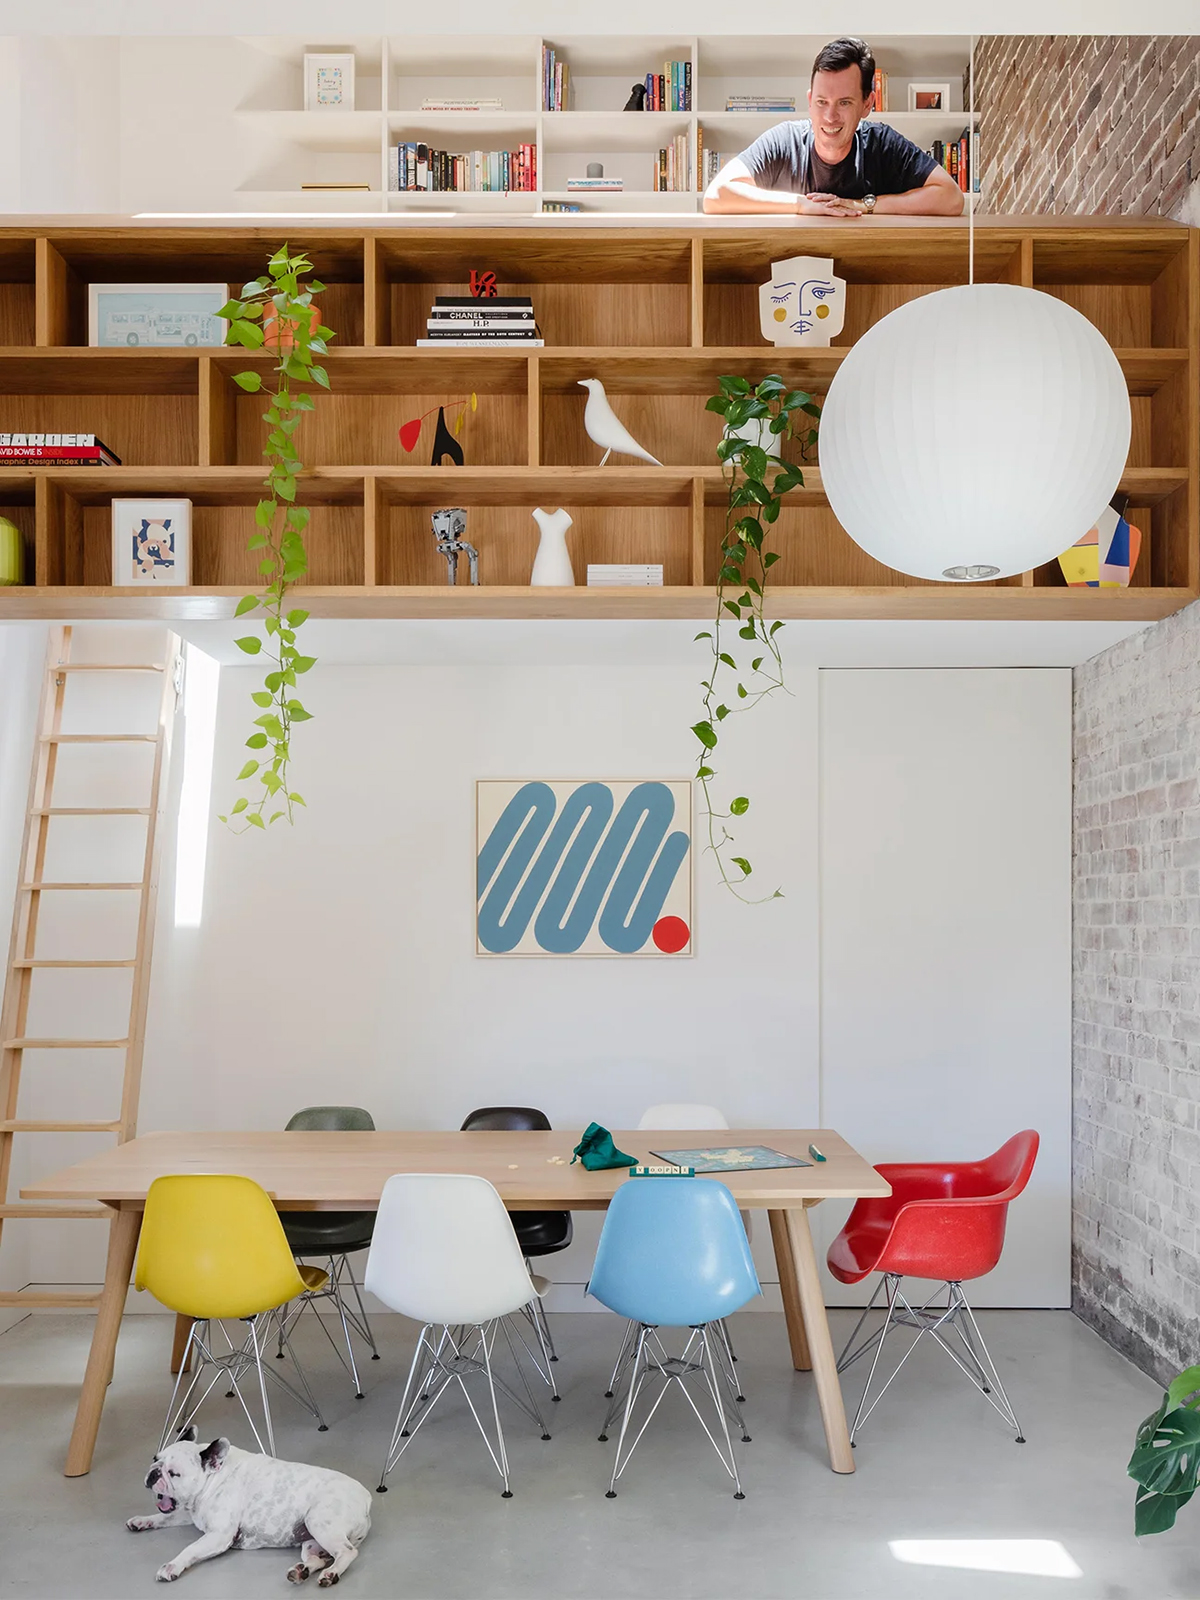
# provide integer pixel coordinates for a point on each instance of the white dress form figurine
(552, 567)
(605, 428)
(803, 303)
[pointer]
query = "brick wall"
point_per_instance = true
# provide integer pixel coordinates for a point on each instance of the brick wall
(1137, 994)
(1088, 123)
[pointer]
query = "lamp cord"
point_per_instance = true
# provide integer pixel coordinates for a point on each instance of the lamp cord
(971, 148)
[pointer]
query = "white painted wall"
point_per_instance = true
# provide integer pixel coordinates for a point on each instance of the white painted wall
(335, 962)
(946, 936)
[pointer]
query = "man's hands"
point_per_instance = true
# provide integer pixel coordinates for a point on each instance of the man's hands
(828, 205)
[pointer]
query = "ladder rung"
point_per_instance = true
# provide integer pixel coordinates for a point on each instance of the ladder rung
(105, 666)
(64, 1044)
(47, 1302)
(91, 811)
(44, 883)
(30, 961)
(30, 1212)
(99, 738)
(17, 1126)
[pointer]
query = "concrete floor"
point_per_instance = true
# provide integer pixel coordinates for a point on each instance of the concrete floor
(934, 1464)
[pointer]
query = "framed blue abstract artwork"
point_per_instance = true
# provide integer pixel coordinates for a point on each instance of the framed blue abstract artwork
(575, 868)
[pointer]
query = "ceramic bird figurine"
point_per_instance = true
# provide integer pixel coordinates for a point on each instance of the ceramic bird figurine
(606, 429)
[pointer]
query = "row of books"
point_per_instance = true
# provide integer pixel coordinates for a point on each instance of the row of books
(549, 206)
(416, 166)
(672, 172)
(556, 81)
(708, 162)
(670, 89)
(56, 450)
(464, 320)
(881, 90)
(761, 102)
(960, 157)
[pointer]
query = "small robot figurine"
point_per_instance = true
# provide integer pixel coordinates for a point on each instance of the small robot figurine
(448, 529)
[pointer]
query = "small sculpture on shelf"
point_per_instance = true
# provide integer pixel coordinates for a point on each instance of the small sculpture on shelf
(637, 98)
(604, 428)
(482, 285)
(552, 567)
(444, 441)
(1106, 556)
(803, 303)
(448, 529)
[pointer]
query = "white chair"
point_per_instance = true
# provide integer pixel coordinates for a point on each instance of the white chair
(444, 1253)
(682, 1115)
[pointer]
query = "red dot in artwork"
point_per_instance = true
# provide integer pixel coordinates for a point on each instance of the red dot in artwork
(670, 934)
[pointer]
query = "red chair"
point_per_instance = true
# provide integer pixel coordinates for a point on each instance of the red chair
(942, 1220)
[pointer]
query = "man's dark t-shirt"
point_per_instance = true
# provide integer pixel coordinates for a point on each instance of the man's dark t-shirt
(881, 161)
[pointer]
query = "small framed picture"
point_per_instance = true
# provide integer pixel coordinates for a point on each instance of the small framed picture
(328, 81)
(156, 314)
(929, 97)
(151, 543)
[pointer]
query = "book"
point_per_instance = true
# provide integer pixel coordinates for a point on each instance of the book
(731, 1158)
(327, 186)
(596, 183)
(558, 205)
(497, 302)
(467, 339)
(504, 317)
(467, 104)
(608, 575)
(57, 449)
(485, 325)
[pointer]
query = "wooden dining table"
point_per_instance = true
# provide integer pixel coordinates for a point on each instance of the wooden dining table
(532, 1170)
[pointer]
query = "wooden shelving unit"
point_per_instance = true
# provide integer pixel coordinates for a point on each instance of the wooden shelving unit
(657, 312)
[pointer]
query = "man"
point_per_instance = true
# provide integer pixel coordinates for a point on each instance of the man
(835, 165)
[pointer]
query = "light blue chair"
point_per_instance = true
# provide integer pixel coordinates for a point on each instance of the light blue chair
(673, 1253)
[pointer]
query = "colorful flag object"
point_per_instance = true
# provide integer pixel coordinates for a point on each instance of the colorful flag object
(1105, 557)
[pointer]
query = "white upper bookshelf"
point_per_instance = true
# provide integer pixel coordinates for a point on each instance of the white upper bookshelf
(261, 147)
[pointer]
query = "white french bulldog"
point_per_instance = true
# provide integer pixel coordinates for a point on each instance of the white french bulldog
(242, 1501)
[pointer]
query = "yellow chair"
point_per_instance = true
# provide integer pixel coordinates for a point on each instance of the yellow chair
(213, 1247)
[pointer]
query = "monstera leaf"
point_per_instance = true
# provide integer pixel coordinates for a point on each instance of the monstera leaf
(1165, 1462)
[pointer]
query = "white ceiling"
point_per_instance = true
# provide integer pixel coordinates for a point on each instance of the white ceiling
(558, 18)
(484, 642)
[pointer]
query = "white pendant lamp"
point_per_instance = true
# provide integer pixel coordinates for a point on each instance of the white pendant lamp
(975, 432)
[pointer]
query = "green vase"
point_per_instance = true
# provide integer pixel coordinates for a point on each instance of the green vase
(12, 553)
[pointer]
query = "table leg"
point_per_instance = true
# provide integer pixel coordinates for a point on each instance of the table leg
(183, 1327)
(829, 1390)
(122, 1247)
(793, 1315)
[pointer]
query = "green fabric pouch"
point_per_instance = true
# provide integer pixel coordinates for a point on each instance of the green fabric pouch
(596, 1150)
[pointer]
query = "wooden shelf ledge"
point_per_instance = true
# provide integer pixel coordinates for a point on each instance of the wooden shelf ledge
(928, 602)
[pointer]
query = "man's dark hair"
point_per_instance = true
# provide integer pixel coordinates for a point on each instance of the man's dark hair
(843, 53)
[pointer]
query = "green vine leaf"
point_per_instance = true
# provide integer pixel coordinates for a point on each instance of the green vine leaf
(286, 294)
(756, 483)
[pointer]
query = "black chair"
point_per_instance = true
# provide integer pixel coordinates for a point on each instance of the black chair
(539, 1233)
(332, 1235)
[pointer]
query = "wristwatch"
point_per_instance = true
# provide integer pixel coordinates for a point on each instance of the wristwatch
(868, 203)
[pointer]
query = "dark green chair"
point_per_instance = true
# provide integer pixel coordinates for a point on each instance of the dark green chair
(332, 1236)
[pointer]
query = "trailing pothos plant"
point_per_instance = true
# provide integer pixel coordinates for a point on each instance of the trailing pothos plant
(757, 483)
(276, 312)
(1165, 1462)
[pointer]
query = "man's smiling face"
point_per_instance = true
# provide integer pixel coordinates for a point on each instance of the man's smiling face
(836, 107)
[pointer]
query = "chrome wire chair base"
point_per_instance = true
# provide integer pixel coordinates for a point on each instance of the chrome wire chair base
(452, 1355)
(704, 1359)
(353, 1319)
(234, 1363)
(724, 1349)
(952, 1326)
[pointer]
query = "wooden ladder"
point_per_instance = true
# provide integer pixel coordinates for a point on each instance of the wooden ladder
(23, 960)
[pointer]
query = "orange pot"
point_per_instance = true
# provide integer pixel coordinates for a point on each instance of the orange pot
(277, 337)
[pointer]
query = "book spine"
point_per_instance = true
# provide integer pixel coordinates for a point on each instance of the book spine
(687, 86)
(648, 102)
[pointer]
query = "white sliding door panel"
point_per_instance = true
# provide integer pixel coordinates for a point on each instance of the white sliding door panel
(945, 856)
